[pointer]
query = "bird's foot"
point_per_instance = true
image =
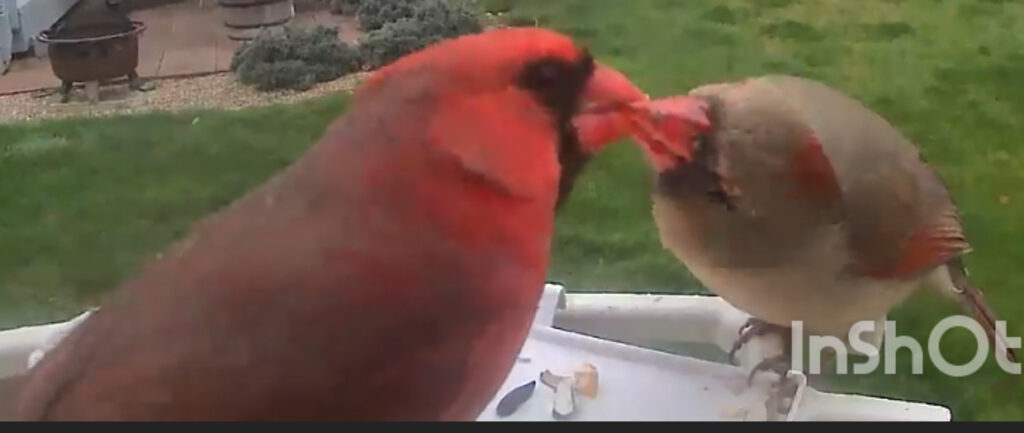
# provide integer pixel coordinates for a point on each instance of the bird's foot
(754, 328)
(776, 364)
(783, 391)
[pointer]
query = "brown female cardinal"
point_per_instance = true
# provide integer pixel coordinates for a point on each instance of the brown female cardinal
(794, 202)
(391, 273)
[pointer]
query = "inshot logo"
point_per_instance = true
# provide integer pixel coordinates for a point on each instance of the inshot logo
(893, 343)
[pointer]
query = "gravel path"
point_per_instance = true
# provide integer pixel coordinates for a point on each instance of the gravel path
(220, 91)
(211, 91)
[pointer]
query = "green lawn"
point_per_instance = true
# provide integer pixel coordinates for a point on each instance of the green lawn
(85, 201)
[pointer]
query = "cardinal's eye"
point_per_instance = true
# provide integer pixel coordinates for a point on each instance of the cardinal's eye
(555, 82)
(546, 74)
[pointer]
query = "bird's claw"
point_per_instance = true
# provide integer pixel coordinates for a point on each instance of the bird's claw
(746, 326)
(753, 327)
(732, 352)
(777, 364)
(781, 396)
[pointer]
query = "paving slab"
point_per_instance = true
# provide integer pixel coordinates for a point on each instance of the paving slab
(184, 38)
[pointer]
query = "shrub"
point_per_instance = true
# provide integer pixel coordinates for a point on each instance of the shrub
(497, 6)
(430, 21)
(395, 40)
(346, 7)
(374, 14)
(284, 74)
(292, 58)
(449, 18)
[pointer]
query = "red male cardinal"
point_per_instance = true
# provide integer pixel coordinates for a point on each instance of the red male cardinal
(795, 202)
(390, 273)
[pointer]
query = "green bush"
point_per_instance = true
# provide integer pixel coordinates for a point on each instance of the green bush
(285, 74)
(449, 18)
(395, 40)
(429, 22)
(294, 58)
(373, 14)
(346, 7)
(497, 6)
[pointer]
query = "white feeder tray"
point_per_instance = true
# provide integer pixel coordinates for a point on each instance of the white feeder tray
(640, 384)
(634, 383)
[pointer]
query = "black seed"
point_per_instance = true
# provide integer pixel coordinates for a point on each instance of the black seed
(515, 398)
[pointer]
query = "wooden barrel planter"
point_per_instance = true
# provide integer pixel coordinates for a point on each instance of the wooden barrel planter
(245, 18)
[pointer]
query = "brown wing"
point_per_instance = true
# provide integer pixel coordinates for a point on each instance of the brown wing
(899, 217)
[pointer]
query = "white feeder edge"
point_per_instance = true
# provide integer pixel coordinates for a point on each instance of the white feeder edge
(634, 390)
(21, 348)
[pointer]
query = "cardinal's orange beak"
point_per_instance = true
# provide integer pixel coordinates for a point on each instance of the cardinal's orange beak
(608, 95)
(610, 89)
(666, 129)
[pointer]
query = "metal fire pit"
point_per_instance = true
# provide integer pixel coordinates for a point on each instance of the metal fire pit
(92, 54)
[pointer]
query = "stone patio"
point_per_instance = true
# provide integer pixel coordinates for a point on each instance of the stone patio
(181, 39)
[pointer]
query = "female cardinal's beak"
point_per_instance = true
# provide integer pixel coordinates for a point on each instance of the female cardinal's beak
(666, 129)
